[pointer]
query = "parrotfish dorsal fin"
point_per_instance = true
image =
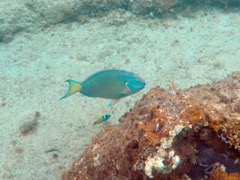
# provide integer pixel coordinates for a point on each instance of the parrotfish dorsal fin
(73, 87)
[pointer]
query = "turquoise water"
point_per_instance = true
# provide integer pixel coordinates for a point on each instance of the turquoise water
(43, 43)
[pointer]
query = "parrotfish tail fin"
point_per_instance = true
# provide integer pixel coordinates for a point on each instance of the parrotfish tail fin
(73, 87)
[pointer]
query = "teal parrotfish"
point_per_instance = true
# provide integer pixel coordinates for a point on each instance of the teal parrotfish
(102, 119)
(109, 84)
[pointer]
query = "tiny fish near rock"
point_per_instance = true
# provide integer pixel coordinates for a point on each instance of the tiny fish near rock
(109, 84)
(102, 119)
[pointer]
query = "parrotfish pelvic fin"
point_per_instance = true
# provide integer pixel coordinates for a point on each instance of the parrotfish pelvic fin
(112, 102)
(73, 87)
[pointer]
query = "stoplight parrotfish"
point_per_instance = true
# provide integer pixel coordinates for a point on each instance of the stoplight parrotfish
(109, 84)
(102, 119)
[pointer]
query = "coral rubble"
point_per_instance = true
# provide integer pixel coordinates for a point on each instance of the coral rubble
(190, 134)
(32, 15)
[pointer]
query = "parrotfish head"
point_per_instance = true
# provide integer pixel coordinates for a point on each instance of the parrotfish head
(135, 85)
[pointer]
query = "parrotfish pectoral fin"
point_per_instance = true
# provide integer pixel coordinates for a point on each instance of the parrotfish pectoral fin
(127, 90)
(73, 87)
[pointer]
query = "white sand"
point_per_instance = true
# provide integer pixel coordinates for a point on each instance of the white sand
(189, 51)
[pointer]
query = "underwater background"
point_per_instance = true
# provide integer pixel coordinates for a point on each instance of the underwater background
(43, 43)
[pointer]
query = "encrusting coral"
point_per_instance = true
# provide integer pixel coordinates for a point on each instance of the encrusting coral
(190, 134)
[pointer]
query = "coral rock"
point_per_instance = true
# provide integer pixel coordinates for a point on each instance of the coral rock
(193, 134)
(220, 175)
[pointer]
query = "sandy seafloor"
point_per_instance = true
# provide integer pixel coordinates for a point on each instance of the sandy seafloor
(187, 50)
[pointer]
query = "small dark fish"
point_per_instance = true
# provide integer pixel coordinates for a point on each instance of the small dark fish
(109, 84)
(102, 119)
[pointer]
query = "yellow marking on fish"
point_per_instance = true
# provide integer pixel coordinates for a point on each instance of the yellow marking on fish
(78, 88)
(70, 89)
